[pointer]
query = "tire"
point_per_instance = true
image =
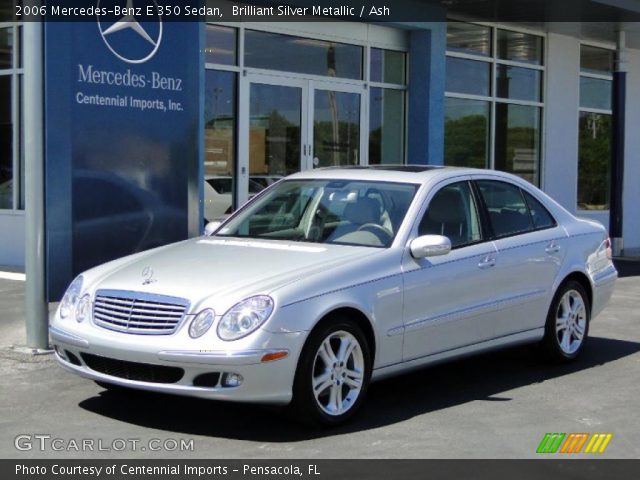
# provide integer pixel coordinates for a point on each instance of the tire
(567, 326)
(336, 376)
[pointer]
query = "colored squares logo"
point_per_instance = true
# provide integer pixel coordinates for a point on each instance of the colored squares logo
(574, 443)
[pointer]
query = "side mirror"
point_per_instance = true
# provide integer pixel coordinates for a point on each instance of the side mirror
(430, 246)
(211, 227)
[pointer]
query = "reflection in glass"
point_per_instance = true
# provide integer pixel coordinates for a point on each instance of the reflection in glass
(518, 83)
(274, 51)
(466, 137)
(336, 128)
(595, 93)
(596, 60)
(519, 47)
(387, 66)
(221, 45)
(468, 76)
(386, 126)
(219, 138)
(6, 144)
(517, 140)
(469, 38)
(274, 130)
(594, 161)
(6, 47)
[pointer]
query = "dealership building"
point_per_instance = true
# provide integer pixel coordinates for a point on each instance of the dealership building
(128, 137)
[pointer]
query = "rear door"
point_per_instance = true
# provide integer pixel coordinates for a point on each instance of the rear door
(530, 245)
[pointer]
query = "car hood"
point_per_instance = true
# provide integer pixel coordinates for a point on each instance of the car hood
(214, 267)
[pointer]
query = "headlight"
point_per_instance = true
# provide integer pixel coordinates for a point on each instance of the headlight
(83, 308)
(245, 317)
(71, 297)
(201, 323)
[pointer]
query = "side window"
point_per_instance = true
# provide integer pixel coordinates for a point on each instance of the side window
(539, 214)
(507, 209)
(452, 212)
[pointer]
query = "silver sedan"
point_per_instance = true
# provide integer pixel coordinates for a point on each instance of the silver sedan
(333, 278)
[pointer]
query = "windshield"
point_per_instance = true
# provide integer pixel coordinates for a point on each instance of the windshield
(346, 212)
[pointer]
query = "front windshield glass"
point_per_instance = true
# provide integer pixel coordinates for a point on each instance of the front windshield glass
(346, 212)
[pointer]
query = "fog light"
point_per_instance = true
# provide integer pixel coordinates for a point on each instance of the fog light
(232, 380)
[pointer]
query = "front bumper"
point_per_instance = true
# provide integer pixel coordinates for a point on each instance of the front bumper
(262, 382)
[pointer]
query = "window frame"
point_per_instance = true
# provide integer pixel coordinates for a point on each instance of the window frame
(581, 109)
(16, 72)
(493, 99)
(484, 237)
(522, 191)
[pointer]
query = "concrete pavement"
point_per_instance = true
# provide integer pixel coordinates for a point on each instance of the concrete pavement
(498, 405)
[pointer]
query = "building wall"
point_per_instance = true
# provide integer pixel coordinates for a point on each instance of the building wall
(560, 144)
(631, 201)
(12, 239)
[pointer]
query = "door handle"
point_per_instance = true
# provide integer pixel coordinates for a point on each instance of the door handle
(553, 247)
(487, 262)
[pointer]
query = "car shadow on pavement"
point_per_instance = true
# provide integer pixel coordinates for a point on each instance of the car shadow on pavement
(484, 377)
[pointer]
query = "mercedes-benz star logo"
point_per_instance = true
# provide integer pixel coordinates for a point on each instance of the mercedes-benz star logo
(129, 22)
(147, 276)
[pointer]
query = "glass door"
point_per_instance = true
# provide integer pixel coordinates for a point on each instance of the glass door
(274, 133)
(289, 124)
(337, 125)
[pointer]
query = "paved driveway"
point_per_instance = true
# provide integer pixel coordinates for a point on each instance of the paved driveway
(498, 405)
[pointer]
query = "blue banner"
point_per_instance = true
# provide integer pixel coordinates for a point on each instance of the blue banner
(123, 138)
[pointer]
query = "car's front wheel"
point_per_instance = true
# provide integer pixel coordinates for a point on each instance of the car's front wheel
(567, 324)
(333, 374)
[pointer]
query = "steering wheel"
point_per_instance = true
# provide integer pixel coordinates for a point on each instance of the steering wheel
(383, 234)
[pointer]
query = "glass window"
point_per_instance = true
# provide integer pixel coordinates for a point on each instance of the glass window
(595, 93)
(343, 212)
(517, 140)
(469, 38)
(540, 216)
(466, 124)
(302, 55)
(596, 60)
(387, 66)
(386, 126)
(6, 48)
(221, 45)
(336, 128)
(6, 144)
(452, 213)
(518, 83)
(519, 47)
(594, 161)
(507, 209)
(468, 76)
(219, 134)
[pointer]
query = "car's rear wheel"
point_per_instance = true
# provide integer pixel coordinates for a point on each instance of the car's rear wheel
(567, 324)
(333, 374)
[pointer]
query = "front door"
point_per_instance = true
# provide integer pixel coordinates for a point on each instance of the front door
(290, 124)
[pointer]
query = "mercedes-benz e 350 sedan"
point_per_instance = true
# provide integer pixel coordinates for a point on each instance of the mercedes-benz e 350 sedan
(332, 278)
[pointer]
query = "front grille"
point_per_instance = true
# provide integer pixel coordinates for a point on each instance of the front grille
(142, 372)
(138, 313)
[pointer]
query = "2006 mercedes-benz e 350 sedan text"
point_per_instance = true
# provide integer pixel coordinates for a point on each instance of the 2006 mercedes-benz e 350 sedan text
(332, 278)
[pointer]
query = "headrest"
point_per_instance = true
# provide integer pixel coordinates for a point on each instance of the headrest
(447, 207)
(364, 210)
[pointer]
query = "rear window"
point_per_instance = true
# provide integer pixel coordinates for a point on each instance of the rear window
(539, 214)
(508, 211)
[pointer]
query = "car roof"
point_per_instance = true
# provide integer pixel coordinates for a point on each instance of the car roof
(417, 174)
